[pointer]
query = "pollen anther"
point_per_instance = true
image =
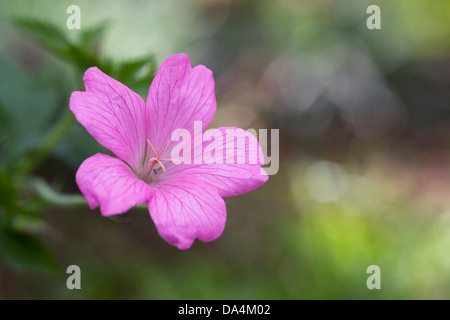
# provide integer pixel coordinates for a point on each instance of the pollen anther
(157, 158)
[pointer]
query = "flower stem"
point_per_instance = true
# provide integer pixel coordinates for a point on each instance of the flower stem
(48, 194)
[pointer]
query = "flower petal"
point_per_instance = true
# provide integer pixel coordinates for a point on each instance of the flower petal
(110, 183)
(240, 170)
(184, 209)
(178, 96)
(113, 114)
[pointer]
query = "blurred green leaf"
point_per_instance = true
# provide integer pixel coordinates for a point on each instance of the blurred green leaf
(3, 118)
(76, 146)
(91, 37)
(26, 253)
(52, 38)
(137, 73)
(142, 68)
(8, 195)
(27, 109)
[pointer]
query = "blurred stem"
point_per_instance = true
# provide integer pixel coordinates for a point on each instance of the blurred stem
(48, 194)
(49, 142)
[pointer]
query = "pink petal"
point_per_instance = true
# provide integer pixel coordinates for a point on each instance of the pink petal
(113, 114)
(185, 209)
(178, 96)
(230, 178)
(110, 183)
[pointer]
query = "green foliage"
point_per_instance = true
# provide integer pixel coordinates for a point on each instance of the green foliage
(28, 135)
(25, 252)
(19, 247)
(53, 39)
(91, 37)
(137, 73)
(85, 52)
(8, 198)
(26, 110)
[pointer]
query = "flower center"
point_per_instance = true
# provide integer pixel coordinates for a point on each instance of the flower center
(151, 166)
(157, 158)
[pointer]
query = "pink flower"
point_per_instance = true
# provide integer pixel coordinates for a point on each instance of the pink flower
(184, 200)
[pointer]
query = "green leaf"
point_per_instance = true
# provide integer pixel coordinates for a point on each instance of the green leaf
(130, 69)
(26, 253)
(54, 39)
(49, 35)
(8, 196)
(91, 37)
(27, 109)
(136, 72)
(76, 146)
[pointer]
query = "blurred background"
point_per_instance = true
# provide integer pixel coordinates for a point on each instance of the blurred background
(364, 175)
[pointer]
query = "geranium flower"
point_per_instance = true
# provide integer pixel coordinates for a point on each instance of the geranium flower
(184, 200)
